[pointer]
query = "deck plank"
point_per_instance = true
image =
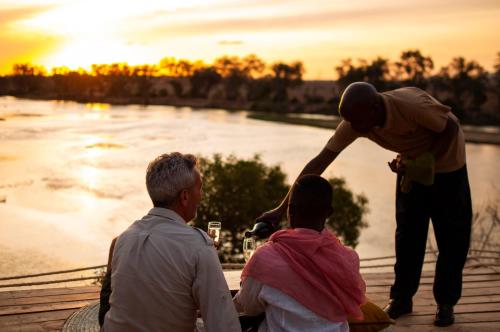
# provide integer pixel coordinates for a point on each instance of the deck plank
(38, 317)
(43, 307)
(48, 291)
(479, 308)
(49, 299)
(49, 326)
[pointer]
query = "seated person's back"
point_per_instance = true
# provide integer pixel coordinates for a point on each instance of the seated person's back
(303, 278)
(164, 270)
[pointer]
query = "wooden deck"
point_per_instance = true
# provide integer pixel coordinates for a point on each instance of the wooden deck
(478, 309)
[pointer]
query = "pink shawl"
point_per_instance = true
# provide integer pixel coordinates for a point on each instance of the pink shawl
(313, 268)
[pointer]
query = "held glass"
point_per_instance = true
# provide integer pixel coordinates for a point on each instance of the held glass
(249, 247)
(214, 231)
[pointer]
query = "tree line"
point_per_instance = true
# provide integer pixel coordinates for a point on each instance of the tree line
(249, 82)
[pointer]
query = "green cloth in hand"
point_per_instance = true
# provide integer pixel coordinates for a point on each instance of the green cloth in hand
(420, 170)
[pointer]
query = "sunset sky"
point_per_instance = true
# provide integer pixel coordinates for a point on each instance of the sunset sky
(318, 32)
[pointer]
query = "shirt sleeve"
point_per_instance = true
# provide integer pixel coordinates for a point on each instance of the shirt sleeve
(212, 295)
(344, 135)
(248, 297)
(431, 114)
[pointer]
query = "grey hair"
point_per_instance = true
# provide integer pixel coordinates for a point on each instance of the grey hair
(167, 175)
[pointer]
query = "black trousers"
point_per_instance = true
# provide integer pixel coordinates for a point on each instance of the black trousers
(448, 204)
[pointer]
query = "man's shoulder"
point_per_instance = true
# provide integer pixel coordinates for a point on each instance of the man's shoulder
(205, 239)
(408, 93)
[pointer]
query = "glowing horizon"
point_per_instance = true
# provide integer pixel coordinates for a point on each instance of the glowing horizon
(78, 33)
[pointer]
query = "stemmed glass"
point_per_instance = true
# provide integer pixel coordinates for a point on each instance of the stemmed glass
(249, 247)
(214, 232)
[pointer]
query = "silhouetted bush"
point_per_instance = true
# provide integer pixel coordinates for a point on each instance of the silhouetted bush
(236, 191)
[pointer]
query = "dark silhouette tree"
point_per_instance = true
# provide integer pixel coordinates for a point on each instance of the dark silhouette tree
(203, 80)
(376, 72)
(286, 76)
(27, 78)
(466, 81)
(413, 69)
(236, 191)
(234, 76)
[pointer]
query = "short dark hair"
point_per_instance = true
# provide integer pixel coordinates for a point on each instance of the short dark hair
(310, 202)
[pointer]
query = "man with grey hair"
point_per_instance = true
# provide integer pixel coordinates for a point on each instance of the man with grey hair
(163, 270)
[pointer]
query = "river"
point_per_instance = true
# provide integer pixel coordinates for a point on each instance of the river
(72, 175)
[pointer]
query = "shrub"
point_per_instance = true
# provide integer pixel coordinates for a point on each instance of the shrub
(236, 191)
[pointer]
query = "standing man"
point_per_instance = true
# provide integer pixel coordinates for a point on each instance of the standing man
(164, 270)
(411, 123)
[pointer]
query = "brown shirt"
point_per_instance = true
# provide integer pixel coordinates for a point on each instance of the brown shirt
(163, 271)
(413, 119)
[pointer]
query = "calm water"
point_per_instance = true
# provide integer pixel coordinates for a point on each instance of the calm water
(72, 175)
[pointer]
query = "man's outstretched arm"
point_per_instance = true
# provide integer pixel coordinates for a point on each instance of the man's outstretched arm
(315, 166)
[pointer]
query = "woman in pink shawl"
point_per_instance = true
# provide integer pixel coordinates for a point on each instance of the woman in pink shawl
(303, 278)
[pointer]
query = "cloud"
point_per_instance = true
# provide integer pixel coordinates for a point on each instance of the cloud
(230, 42)
(9, 16)
(303, 16)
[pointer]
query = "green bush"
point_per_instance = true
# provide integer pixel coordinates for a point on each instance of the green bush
(348, 211)
(236, 191)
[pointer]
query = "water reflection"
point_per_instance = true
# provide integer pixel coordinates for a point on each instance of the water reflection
(89, 177)
(98, 106)
(83, 165)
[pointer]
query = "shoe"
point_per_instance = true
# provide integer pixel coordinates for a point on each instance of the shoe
(444, 315)
(396, 308)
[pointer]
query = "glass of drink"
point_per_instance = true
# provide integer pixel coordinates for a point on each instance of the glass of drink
(249, 247)
(214, 232)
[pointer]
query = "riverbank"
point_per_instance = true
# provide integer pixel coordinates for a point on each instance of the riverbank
(473, 134)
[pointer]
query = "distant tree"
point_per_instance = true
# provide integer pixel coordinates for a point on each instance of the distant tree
(142, 77)
(166, 67)
(285, 76)
(375, 72)
(466, 81)
(27, 78)
(253, 66)
(184, 68)
(348, 73)
(203, 80)
(27, 69)
(413, 68)
(233, 75)
(237, 72)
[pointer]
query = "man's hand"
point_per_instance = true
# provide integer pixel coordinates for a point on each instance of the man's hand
(397, 165)
(272, 217)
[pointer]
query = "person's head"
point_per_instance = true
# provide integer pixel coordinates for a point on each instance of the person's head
(174, 182)
(362, 106)
(310, 202)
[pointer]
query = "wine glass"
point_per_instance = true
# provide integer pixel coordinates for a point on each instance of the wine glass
(249, 247)
(214, 232)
